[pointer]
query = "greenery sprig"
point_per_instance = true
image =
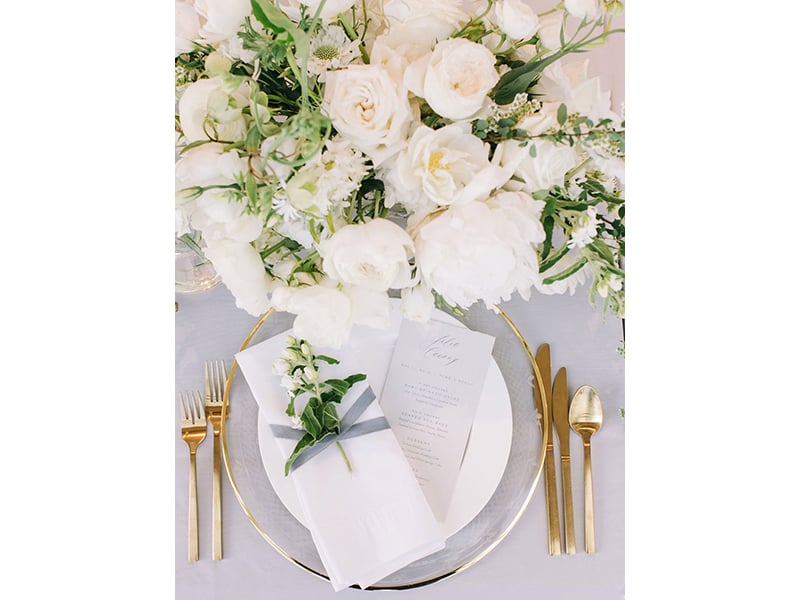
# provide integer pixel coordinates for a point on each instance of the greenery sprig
(300, 376)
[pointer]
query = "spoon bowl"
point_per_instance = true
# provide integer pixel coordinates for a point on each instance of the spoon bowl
(586, 418)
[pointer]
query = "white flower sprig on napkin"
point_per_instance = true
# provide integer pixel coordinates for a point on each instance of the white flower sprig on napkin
(300, 376)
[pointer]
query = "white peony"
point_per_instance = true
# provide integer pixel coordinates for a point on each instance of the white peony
(187, 26)
(369, 109)
(481, 250)
(455, 79)
(372, 255)
(221, 19)
(330, 11)
(443, 167)
(242, 271)
(211, 105)
(583, 9)
(323, 313)
(515, 18)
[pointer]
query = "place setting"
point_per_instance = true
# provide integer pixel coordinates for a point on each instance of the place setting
(402, 198)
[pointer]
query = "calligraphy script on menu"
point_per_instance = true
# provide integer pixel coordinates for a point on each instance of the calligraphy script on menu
(430, 397)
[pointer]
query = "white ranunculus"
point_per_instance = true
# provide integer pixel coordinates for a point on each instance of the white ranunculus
(213, 100)
(417, 303)
(221, 19)
(548, 168)
(481, 250)
(242, 271)
(330, 11)
(372, 255)
(458, 77)
(443, 167)
(516, 19)
(324, 314)
(583, 9)
(187, 26)
(369, 109)
(550, 30)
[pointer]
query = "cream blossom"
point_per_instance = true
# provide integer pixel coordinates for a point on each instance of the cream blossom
(242, 271)
(455, 78)
(330, 10)
(540, 172)
(369, 109)
(481, 250)
(331, 49)
(324, 315)
(221, 19)
(187, 26)
(214, 106)
(373, 255)
(417, 302)
(550, 30)
(570, 83)
(442, 167)
(433, 20)
(583, 9)
(515, 18)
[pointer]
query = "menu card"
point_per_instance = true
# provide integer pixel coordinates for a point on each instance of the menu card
(430, 397)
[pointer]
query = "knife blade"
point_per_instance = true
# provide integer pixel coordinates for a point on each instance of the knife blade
(561, 421)
(553, 526)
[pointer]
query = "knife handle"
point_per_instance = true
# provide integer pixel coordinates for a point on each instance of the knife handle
(569, 521)
(588, 497)
(553, 527)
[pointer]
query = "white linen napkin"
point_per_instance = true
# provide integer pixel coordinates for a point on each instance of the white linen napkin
(368, 523)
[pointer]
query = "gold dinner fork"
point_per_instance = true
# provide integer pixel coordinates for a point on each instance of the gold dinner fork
(215, 385)
(193, 431)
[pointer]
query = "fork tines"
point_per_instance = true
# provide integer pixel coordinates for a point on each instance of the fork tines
(215, 381)
(192, 412)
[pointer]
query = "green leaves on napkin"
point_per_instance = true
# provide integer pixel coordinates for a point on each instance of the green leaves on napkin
(300, 376)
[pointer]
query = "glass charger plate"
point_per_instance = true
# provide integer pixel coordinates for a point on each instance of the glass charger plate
(292, 540)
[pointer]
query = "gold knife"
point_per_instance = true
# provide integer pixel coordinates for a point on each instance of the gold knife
(561, 421)
(553, 527)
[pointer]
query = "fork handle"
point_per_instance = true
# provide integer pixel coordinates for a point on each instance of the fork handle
(194, 550)
(216, 505)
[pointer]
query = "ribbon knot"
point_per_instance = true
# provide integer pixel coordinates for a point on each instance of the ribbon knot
(348, 428)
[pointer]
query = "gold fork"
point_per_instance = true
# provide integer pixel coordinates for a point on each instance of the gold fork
(193, 431)
(215, 385)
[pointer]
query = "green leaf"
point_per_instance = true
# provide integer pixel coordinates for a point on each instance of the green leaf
(328, 359)
(310, 421)
(600, 247)
(520, 79)
(330, 418)
(566, 272)
(353, 379)
(339, 385)
(548, 222)
(561, 115)
(252, 142)
(251, 188)
(532, 152)
(271, 17)
(331, 396)
(302, 444)
(550, 262)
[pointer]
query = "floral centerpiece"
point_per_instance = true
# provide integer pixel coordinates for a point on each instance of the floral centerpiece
(333, 151)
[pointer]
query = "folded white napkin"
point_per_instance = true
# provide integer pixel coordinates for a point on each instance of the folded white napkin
(368, 523)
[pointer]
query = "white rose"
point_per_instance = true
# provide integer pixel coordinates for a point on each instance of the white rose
(368, 108)
(323, 313)
(221, 18)
(435, 20)
(372, 255)
(330, 11)
(458, 77)
(443, 167)
(481, 250)
(548, 168)
(187, 26)
(582, 9)
(242, 271)
(213, 99)
(516, 19)
(400, 47)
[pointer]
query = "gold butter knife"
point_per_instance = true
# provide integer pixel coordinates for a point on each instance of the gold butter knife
(553, 527)
(561, 421)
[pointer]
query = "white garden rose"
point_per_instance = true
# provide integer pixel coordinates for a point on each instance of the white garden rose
(373, 255)
(458, 75)
(242, 271)
(442, 167)
(515, 18)
(214, 105)
(400, 47)
(583, 9)
(323, 313)
(187, 26)
(369, 109)
(542, 171)
(221, 19)
(433, 20)
(481, 250)
(330, 11)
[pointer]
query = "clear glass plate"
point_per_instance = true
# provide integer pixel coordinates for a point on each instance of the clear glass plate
(291, 539)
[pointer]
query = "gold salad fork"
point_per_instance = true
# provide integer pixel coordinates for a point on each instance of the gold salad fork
(193, 431)
(215, 386)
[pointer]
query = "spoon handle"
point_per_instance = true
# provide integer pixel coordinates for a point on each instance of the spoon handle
(588, 497)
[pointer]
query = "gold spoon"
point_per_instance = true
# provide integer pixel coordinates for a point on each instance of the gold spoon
(585, 418)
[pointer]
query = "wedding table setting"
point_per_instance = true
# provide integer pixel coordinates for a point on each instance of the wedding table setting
(399, 309)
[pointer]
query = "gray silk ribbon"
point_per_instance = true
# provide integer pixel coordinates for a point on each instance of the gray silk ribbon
(348, 428)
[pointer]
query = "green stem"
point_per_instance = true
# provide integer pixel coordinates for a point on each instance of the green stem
(344, 455)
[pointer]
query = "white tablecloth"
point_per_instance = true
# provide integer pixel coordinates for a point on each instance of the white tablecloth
(208, 325)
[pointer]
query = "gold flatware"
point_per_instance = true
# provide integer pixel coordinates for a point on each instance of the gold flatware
(553, 527)
(193, 431)
(561, 422)
(215, 385)
(586, 418)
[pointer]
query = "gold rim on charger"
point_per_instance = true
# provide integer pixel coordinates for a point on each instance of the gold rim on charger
(465, 566)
